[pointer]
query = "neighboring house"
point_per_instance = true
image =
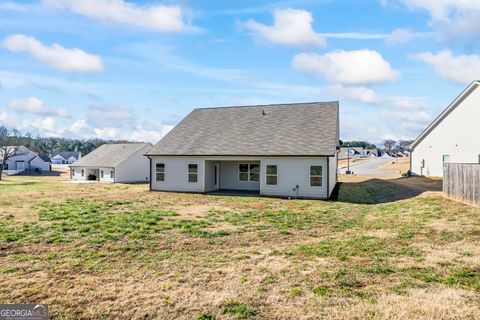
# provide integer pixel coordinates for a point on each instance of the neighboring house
(123, 162)
(351, 152)
(27, 160)
(372, 153)
(286, 150)
(65, 157)
(452, 137)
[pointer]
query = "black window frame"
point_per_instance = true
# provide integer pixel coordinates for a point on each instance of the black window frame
(316, 176)
(192, 173)
(160, 173)
(249, 173)
(271, 175)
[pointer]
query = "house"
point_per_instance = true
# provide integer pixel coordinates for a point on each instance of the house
(351, 152)
(122, 162)
(65, 157)
(452, 137)
(26, 160)
(285, 150)
(372, 153)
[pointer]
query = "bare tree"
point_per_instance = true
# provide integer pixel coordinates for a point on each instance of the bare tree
(10, 143)
(389, 144)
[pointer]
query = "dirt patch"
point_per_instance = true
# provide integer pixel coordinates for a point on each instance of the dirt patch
(401, 165)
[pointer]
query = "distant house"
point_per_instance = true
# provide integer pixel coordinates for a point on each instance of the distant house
(372, 153)
(452, 137)
(27, 160)
(65, 157)
(351, 152)
(123, 162)
(286, 150)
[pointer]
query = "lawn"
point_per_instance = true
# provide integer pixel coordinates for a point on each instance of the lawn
(384, 250)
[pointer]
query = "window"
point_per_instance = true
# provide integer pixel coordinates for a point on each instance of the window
(271, 175)
(101, 173)
(446, 158)
(83, 172)
(316, 176)
(160, 172)
(192, 172)
(249, 172)
(111, 174)
(243, 172)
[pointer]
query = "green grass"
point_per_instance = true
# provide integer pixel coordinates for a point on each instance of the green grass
(310, 255)
(238, 309)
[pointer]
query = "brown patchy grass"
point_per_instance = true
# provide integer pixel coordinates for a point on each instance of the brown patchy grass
(401, 165)
(104, 251)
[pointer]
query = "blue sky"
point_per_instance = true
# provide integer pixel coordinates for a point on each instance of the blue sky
(118, 69)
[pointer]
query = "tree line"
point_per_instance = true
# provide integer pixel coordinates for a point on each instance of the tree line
(50, 146)
(388, 145)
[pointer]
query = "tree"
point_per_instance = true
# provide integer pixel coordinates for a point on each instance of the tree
(360, 144)
(10, 143)
(404, 144)
(389, 144)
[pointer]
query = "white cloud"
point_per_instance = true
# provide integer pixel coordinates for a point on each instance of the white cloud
(3, 116)
(110, 116)
(462, 68)
(160, 18)
(36, 106)
(347, 67)
(361, 94)
(453, 19)
(43, 126)
(406, 117)
(290, 27)
(401, 36)
(107, 133)
(61, 58)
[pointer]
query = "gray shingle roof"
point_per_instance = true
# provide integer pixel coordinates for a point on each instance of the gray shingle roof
(304, 129)
(67, 154)
(109, 155)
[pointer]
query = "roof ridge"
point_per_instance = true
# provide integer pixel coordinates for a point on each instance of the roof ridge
(270, 105)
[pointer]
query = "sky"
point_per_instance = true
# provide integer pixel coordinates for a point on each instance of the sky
(118, 69)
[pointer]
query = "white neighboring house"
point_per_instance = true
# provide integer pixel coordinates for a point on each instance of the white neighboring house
(65, 157)
(26, 160)
(452, 137)
(285, 150)
(119, 162)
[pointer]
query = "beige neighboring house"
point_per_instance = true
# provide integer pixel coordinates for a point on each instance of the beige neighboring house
(121, 162)
(284, 150)
(452, 137)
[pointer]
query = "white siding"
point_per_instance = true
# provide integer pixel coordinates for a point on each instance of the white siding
(176, 174)
(457, 135)
(78, 174)
(40, 164)
(229, 176)
(333, 165)
(58, 159)
(135, 168)
(106, 174)
(293, 172)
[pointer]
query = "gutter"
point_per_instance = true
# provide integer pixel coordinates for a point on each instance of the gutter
(150, 180)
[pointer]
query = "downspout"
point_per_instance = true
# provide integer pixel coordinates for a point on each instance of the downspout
(328, 177)
(150, 178)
